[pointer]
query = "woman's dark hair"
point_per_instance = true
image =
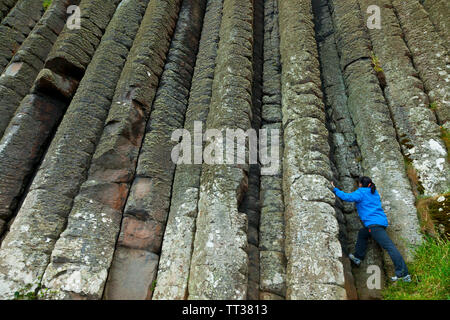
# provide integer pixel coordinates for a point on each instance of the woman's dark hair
(367, 182)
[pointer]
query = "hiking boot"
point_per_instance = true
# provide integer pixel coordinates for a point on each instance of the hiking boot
(406, 278)
(354, 259)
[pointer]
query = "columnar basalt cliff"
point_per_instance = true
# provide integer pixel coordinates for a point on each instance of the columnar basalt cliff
(95, 205)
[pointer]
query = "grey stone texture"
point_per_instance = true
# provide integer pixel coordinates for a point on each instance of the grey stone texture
(429, 54)
(381, 156)
(438, 12)
(23, 68)
(176, 252)
(147, 206)
(345, 156)
(314, 267)
(16, 26)
(271, 226)
(219, 264)
(414, 121)
(5, 7)
(43, 214)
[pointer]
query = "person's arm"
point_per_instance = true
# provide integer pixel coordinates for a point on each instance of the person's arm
(350, 197)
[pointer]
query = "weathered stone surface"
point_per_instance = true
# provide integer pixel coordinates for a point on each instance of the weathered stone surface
(438, 11)
(219, 264)
(429, 54)
(380, 150)
(344, 155)
(63, 170)
(271, 227)
(314, 269)
(22, 144)
(132, 274)
(415, 123)
(16, 26)
(177, 247)
(5, 7)
(149, 199)
(108, 196)
(29, 59)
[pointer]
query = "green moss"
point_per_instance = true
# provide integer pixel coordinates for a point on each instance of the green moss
(430, 272)
(445, 136)
(433, 105)
(46, 4)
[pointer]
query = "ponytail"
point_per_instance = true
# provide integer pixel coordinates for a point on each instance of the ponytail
(366, 182)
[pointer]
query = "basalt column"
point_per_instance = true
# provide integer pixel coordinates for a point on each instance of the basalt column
(429, 54)
(313, 252)
(219, 265)
(26, 250)
(135, 262)
(271, 227)
(5, 7)
(16, 26)
(174, 263)
(375, 133)
(23, 142)
(345, 156)
(415, 122)
(23, 68)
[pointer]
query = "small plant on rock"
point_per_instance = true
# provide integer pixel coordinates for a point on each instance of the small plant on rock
(46, 4)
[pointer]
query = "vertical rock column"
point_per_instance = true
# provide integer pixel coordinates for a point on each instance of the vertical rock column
(271, 227)
(23, 68)
(15, 83)
(16, 26)
(415, 122)
(25, 251)
(376, 136)
(219, 264)
(345, 155)
(80, 260)
(313, 252)
(174, 263)
(139, 245)
(429, 55)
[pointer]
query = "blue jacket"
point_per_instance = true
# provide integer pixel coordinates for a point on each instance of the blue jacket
(368, 205)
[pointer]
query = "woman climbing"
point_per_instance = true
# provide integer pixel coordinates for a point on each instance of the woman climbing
(368, 204)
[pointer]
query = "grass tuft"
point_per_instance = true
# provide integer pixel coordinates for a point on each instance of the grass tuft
(430, 273)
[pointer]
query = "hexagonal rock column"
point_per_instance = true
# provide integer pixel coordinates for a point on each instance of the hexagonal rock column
(174, 263)
(23, 68)
(313, 252)
(219, 264)
(376, 136)
(83, 253)
(25, 251)
(429, 55)
(345, 156)
(414, 121)
(439, 14)
(272, 278)
(148, 202)
(16, 26)
(37, 114)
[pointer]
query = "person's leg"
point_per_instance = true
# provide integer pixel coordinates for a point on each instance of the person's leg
(361, 243)
(380, 236)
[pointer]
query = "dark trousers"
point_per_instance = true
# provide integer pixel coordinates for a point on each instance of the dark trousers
(378, 233)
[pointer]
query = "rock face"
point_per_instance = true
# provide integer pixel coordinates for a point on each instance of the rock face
(94, 204)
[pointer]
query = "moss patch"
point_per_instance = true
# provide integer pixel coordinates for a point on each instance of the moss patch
(46, 4)
(435, 214)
